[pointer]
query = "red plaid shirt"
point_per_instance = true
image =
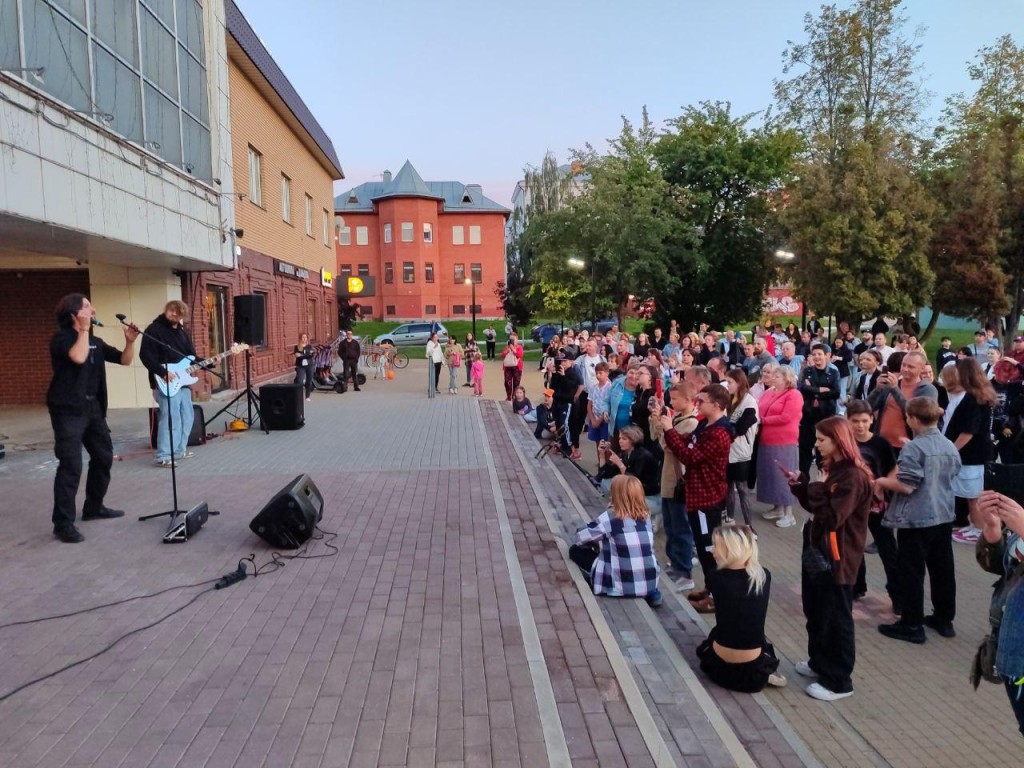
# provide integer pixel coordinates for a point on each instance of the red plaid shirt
(705, 454)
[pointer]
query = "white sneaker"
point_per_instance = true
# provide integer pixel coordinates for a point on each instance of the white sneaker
(683, 584)
(786, 521)
(776, 680)
(821, 693)
(772, 514)
(309, 399)
(804, 669)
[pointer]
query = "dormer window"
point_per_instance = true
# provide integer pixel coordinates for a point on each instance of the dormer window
(352, 197)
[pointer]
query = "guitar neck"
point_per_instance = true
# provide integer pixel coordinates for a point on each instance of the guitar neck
(203, 363)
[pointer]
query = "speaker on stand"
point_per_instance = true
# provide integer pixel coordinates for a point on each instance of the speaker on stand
(250, 326)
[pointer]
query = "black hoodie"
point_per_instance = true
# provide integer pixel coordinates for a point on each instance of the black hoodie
(153, 354)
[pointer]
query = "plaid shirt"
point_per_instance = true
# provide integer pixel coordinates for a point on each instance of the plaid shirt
(705, 454)
(626, 566)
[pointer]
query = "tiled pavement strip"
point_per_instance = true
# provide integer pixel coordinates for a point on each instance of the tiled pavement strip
(408, 649)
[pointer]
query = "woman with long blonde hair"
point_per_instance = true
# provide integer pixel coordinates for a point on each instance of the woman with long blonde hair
(736, 654)
(616, 551)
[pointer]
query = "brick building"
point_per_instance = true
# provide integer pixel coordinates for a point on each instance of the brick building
(414, 244)
(284, 169)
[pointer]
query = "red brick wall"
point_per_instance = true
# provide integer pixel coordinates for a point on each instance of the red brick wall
(27, 302)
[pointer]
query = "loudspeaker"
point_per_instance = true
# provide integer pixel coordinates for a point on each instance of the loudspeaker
(183, 527)
(282, 406)
(196, 437)
(289, 518)
(251, 319)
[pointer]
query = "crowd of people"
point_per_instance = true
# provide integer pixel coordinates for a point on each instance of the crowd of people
(885, 449)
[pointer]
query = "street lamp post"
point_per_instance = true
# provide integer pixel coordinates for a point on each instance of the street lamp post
(580, 264)
(472, 305)
(783, 255)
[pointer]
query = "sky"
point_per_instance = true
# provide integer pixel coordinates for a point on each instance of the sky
(475, 90)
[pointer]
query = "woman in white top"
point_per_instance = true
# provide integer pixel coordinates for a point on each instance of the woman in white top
(745, 420)
(435, 354)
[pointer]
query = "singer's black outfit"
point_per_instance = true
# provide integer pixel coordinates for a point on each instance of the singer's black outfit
(77, 401)
(304, 367)
(348, 351)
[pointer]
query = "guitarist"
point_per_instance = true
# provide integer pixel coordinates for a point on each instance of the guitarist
(168, 328)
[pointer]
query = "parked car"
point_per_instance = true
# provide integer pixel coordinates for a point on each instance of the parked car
(603, 326)
(413, 334)
(542, 334)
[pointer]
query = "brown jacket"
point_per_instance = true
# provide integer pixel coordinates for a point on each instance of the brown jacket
(839, 504)
(671, 470)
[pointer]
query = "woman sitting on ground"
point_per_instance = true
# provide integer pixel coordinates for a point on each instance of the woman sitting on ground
(736, 654)
(616, 551)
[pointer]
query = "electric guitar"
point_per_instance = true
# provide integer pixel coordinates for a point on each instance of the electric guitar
(184, 368)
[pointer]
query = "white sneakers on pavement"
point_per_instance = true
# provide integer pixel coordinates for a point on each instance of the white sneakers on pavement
(804, 669)
(786, 521)
(821, 693)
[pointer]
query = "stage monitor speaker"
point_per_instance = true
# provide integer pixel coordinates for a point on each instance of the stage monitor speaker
(282, 406)
(185, 526)
(251, 319)
(288, 519)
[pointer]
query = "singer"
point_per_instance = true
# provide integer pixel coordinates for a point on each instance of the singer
(77, 401)
(168, 329)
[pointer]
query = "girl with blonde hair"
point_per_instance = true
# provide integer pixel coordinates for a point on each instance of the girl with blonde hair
(736, 655)
(616, 551)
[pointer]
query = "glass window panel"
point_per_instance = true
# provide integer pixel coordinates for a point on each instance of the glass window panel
(198, 160)
(114, 24)
(158, 63)
(162, 125)
(118, 92)
(52, 42)
(164, 9)
(474, 235)
(362, 235)
(74, 8)
(193, 86)
(190, 27)
(10, 53)
(458, 236)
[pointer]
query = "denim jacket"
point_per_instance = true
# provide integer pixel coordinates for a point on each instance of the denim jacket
(928, 464)
(998, 558)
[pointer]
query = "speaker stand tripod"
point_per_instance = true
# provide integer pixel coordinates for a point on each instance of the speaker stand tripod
(251, 399)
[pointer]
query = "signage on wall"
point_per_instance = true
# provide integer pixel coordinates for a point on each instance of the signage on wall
(326, 278)
(351, 285)
(284, 268)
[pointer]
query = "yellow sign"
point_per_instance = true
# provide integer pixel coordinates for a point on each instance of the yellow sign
(326, 278)
(355, 285)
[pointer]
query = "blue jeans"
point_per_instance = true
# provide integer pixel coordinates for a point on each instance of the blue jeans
(182, 416)
(1016, 694)
(678, 536)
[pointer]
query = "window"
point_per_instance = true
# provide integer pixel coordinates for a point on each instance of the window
(428, 272)
(408, 272)
(327, 228)
(364, 270)
(387, 233)
(389, 272)
(345, 235)
(428, 233)
(309, 215)
(458, 309)
(460, 273)
(406, 231)
(362, 235)
(286, 198)
(474, 235)
(266, 313)
(430, 309)
(458, 236)
(389, 309)
(476, 272)
(346, 270)
(255, 176)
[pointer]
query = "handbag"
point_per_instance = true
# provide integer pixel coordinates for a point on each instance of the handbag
(814, 561)
(510, 360)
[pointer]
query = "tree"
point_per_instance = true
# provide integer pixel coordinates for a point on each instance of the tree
(728, 178)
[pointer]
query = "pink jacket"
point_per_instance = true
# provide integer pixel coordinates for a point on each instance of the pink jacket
(780, 417)
(477, 370)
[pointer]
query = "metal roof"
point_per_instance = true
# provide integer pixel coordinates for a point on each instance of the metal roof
(455, 195)
(240, 29)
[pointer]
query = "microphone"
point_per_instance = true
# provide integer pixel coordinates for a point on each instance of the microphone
(96, 322)
(121, 317)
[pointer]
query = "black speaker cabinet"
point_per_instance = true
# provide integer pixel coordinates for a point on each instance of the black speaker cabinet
(282, 406)
(251, 319)
(196, 437)
(289, 518)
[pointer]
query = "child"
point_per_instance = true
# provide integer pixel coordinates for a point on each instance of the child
(477, 374)
(736, 654)
(544, 417)
(520, 402)
(921, 511)
(616, 551)
(597, 407)
(881, 460)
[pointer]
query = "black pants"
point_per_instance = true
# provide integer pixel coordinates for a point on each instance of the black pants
(885, 538)
(437, 374)
(577, 418)
(806, 441)
(584, 556)
(490, 349)
(703, 523)
(350, 369)
(931, 548)
(71, 431)
(749, 677)
(304, 376)
(561, 413)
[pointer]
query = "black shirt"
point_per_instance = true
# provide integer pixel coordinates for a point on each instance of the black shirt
(973, 418)
(153, 354)
(565, 384)
(942, 358)
(878, 455)
(305, 356)
(739, 612)
(74, 384)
